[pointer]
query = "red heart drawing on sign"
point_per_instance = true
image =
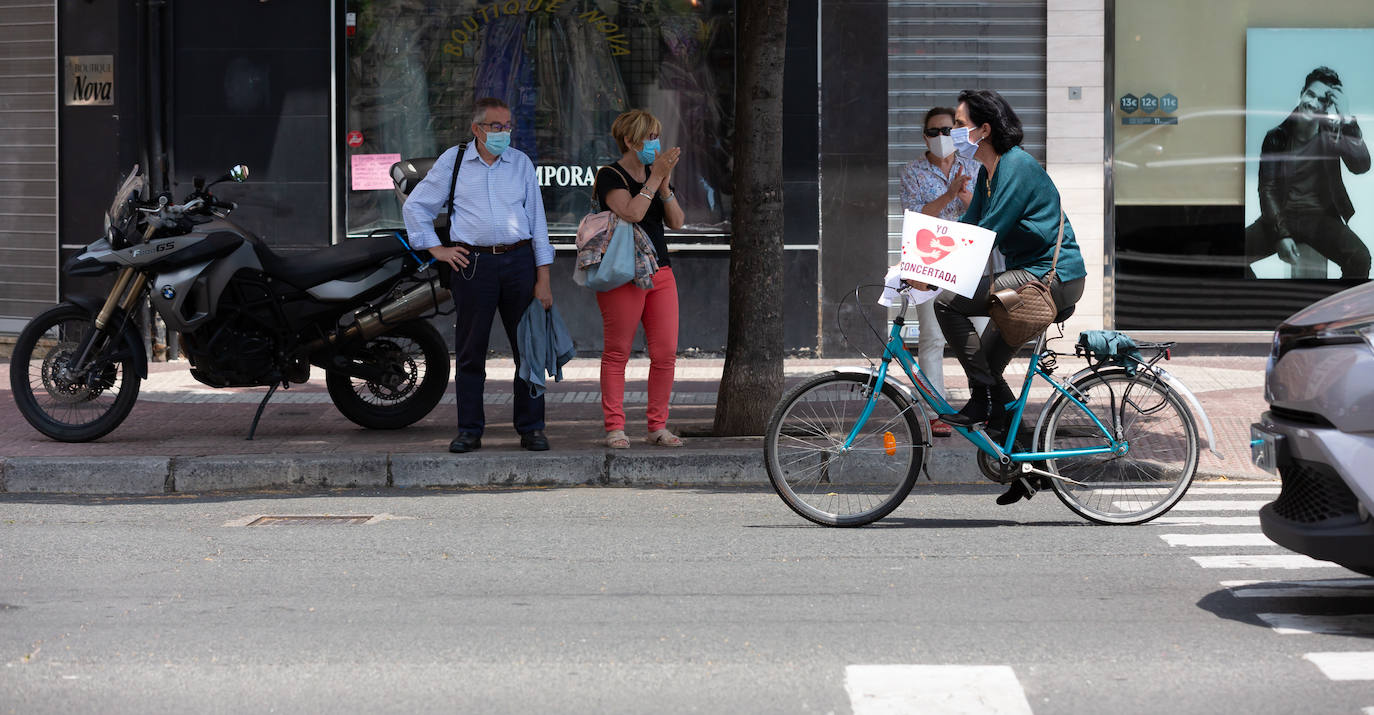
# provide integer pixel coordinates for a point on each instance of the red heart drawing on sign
(933, 247)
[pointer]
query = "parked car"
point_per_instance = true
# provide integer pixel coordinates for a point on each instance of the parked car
(1318, 434)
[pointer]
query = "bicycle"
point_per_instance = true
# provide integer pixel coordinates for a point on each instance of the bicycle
(1118, 443)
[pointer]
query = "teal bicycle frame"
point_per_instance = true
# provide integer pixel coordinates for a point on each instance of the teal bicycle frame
(1005, 453)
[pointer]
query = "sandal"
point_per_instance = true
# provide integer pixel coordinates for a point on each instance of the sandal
(616, 439)
(663, 438)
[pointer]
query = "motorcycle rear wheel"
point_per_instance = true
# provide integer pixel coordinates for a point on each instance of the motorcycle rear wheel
(417, 355)
(66, 407)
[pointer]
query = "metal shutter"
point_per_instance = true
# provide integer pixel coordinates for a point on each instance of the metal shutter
(936, 49)
(28, 161)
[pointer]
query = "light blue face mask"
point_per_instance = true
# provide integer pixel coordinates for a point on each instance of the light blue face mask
(650, 150)
(962, 144)
(497, 142)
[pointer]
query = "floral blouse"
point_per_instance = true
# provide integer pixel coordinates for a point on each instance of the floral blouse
(923, 182)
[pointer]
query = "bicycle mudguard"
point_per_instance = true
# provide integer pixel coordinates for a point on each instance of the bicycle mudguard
(1199, 414)
(901, 387)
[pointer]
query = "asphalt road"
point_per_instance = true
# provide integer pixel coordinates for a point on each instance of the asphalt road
(627, 600)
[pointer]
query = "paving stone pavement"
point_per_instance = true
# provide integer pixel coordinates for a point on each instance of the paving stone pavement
(178, 420)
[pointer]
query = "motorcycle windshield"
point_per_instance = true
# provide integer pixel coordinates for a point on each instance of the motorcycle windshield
(133, 184)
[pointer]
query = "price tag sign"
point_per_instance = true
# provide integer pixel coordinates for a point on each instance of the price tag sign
(943, 253)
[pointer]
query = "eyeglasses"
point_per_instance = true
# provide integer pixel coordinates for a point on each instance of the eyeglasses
(937, 131)
(497, 126)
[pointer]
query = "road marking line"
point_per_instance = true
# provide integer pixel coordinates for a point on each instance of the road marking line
(1329, 588)
(1216, 540)
(917, 689)
(1258, 561)
(1300, 623)
(1208, 520)
(1208, 491)
(1203, 505)
(1344, 666)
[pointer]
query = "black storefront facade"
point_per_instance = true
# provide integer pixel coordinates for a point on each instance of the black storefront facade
(315, 96)
(305, 95)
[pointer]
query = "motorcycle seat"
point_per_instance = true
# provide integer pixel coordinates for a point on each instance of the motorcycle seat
(307, 270)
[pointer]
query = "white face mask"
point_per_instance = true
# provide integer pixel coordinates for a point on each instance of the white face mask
(962, 144)
(941, 146)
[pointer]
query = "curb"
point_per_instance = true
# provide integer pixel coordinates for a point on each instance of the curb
(143, 476)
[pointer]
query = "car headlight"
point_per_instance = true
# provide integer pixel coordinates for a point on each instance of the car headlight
(1337, 332)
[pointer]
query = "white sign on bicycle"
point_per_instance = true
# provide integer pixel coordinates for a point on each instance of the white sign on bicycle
(947, 254)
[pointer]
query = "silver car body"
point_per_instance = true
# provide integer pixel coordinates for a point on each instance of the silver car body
(1318, 434)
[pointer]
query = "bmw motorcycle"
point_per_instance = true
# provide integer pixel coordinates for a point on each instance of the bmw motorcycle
(247, 317)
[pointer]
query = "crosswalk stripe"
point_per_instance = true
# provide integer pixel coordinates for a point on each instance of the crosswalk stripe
(1216, 540)
(1204, 505)
(918, 689)
(1209, 491)
(1207, 521)
(1344, 666)
(1328, 588)
(1361, 624)
(1261, 561)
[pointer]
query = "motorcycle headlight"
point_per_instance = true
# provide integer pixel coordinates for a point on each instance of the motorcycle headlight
(1336, 332)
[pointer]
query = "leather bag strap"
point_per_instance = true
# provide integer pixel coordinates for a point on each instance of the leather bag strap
(1057, 243)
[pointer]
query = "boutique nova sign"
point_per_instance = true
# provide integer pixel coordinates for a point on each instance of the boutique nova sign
(88, 80)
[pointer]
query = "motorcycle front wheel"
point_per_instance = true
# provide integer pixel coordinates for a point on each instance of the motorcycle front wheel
(415, 358)
(62, 404)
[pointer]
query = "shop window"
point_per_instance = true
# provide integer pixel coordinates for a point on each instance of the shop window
(1201, 91)
(567, 69)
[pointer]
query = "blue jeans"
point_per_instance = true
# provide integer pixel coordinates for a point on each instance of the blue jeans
(490, 284)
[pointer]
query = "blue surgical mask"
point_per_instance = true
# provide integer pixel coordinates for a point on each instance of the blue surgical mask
(497, 142)
(650, 150)
(962, 144)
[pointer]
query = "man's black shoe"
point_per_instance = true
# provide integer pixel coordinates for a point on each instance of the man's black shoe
(534, 441)
(465, 442)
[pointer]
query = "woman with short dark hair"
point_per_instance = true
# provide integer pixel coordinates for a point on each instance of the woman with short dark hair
(1014, 198)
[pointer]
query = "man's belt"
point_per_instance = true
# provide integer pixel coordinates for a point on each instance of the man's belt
(502, 248)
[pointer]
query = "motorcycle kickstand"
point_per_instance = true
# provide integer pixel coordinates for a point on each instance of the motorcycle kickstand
(261, 405)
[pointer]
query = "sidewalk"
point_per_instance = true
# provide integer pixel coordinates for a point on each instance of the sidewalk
(185, 437)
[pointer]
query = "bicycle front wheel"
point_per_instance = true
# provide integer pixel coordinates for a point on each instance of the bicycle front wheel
(820, 478)
(1155, 466)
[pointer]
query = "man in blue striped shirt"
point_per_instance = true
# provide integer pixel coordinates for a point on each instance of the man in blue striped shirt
(500, 258)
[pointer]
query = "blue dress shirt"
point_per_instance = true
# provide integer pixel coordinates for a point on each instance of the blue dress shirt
(494, 205)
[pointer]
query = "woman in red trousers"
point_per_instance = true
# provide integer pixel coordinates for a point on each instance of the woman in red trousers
(638, 187)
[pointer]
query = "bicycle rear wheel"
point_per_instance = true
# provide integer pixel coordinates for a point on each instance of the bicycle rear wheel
(811, 469)
(1160, 457)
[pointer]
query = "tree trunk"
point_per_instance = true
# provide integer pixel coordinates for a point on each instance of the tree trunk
(752, 379)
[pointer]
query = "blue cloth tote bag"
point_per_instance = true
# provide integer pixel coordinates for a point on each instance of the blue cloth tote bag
(617, 266)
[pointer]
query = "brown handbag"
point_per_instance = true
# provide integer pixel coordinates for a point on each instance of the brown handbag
(1023, 313)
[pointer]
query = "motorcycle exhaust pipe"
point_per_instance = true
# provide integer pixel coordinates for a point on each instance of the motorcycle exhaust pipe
(412, 304)
(374, 321)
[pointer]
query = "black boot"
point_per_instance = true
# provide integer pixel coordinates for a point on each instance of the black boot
(1002, 395)
(1016, 492)
(978, 409)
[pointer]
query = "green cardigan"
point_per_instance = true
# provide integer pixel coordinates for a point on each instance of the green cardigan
(1024, 212)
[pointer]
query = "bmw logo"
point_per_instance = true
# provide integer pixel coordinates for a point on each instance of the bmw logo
(168, 293)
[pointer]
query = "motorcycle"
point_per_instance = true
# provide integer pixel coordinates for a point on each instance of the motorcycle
(246, 316)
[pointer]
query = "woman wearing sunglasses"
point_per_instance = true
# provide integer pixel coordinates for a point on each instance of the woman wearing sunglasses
(936, 183)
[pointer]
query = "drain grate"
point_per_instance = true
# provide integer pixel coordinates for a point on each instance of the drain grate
(313, 520)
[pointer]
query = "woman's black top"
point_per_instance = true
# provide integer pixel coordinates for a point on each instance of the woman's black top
(613, 176)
